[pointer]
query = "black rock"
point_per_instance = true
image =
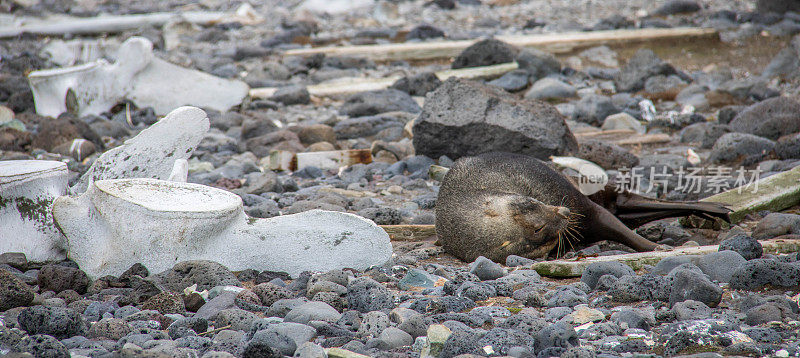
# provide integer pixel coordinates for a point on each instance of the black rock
(691, 285)
(442, 304)
(643, 65)
(290, 95)
(634, 318)
(673, 7)
(58, 278)
(777, 224)
(770, 118)
(538, 63)
(59, 322)
(740, 147)
(728, 113)
(606, 154)
(513, 81)
(705, 133)
(558, 334)
(40, 345)
(424, 32)
(419, 84)
(13, 292)
(502, 339)
(777, 6)
(591, 275)
(365, 294)
(463, 118)
(382, 215)
(757, 273)
(788, 147)
(461, 343)
(614, 22)
(743, 244)
(206, 274)
(640, 288)
(484, 53)
(594, 109)
(360, 127)
(376, 102)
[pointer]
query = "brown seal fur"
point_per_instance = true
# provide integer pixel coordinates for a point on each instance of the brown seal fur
(499, 204)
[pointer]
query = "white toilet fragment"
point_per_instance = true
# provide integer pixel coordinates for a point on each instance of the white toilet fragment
(159, 151)
(27, 191)
(137, 75)
(158, 223)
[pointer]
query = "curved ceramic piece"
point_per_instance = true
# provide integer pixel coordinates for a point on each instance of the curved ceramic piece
(158, 223)
(137, 75)
(27, 191)
(159, 151)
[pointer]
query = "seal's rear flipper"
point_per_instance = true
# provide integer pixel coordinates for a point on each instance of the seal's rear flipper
(635, 210)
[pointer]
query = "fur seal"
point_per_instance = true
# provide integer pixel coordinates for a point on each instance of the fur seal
(499, 204)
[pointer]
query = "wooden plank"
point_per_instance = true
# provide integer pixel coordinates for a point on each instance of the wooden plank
(554, 43)
(409, 232)
(357, 84)
(774, 193)
(575, 267)
(644, 139)
(58, 26)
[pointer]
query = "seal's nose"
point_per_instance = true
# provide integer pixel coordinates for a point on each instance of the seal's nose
(563, 211)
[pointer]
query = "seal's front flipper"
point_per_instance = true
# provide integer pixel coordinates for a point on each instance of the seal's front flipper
(635, 210)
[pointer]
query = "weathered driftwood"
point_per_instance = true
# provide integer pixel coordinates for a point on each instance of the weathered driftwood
(776, 192)
(343, 353)
(575, 267)
(285, 160)
(554, 43)
(624, 137)
(644, 139)
(355, 84)
(409, 232)
(119, 23)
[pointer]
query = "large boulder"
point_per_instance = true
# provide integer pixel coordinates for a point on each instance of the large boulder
(464, 118)
(770, 118)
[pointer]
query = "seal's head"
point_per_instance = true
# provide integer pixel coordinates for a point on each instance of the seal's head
(543, 227)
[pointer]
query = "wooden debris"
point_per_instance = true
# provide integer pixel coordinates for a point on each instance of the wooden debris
(285, 160)
(348, 193)
(575, 267)
(409, 232)
(774, 193)
(343, 353)
(554, 43)
(353, 85)
(119, 23)
(645, 139)
(624, 137)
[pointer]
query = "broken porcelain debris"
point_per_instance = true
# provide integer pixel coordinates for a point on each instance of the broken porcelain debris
(118, 223)
(137, 75)
(334, 159)
(27, 191)
(159, 151)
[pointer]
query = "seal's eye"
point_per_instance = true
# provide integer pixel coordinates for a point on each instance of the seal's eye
(539, 229)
